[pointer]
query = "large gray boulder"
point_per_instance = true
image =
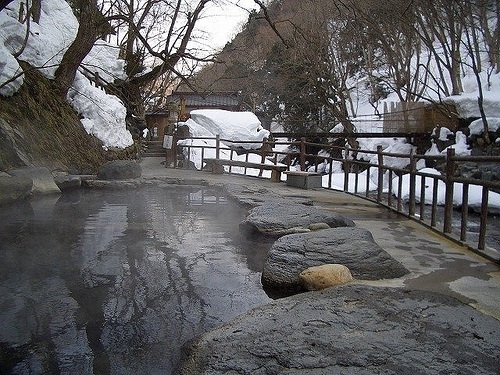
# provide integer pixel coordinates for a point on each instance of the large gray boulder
(120, 170)
(354, 248)
(13, 188)
(66, 182)
(43, 181)
(278, 219)
(351, 329)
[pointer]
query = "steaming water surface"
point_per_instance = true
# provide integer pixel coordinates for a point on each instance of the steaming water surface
(114, 282)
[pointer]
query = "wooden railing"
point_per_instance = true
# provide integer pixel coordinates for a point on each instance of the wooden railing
(387, 195)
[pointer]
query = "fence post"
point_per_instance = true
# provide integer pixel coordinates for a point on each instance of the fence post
(347, 168)
(484, 214)
(217, 146)
(448, 200)
(380, 187)
(263, 150)
(302, 154)
(413, 180)
(262, 155)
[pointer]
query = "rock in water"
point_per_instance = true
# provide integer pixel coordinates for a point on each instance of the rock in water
(324, 276)
(278, 219)
(353, 247)
(43, 181)
(120, 170)
(351, 329)
(14, 187)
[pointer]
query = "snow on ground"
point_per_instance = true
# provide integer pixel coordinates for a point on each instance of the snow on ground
(104, 115)
(476, 127)
(45, 47)
(46, 43)
(208, 123)
(475, 192)
(231, 127)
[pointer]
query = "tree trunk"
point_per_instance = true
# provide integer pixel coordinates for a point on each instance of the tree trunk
(88, 33)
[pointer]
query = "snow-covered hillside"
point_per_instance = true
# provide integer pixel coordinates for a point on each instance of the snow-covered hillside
(102, 115)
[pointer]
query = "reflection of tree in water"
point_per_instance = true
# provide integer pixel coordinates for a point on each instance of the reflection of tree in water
(122, 279)
(154, 304)
(40, 327)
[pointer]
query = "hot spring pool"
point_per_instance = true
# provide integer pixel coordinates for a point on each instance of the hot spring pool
(115, 281)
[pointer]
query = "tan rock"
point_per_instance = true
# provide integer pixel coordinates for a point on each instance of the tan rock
(318, 226)
(324, 276)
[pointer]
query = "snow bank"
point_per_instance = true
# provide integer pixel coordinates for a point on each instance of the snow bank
(103, 114)
(338, 182)
(476, 127)
(467, 106)
(475, 192)
(47, 40)
(231, 126)
(461, 147)
(103, 59)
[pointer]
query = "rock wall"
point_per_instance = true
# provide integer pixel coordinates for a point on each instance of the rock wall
(39, 128)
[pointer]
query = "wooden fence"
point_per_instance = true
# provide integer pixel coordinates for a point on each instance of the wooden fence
(416, 117)
(387, 195)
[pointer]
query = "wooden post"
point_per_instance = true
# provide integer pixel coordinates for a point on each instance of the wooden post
(263, 151)
(448, 200)
(465, 212)
(413, 180)
(422, 197)
(302, 154)
(346, 168)
(484, 214)
(380, 187)
(217, 146)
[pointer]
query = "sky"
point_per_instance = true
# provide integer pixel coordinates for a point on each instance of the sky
(223, 21)
(103, 115)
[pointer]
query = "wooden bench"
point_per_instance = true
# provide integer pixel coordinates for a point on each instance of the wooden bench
(303, 180)
(217, 166)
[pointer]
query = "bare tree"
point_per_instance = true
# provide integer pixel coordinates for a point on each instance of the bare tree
(475, 24)
(155, 45)
(90, 29)
(440, 28)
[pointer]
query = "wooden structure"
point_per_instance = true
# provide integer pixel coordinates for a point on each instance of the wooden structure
(417, 117)
(217, 166)
(157, 123)
(187, 101)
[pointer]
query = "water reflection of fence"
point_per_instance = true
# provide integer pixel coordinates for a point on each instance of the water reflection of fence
(420, 184)
(205, 197)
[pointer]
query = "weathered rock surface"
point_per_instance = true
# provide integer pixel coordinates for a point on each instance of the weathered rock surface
(13, 188)
(120, 170)
(353, 247)
(278, 219)
(67, 182)
(351, 329)
(324, 276)
(43, 181)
